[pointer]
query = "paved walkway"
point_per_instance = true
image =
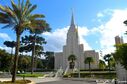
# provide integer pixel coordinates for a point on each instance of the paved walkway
(58, 80)
(36, 80)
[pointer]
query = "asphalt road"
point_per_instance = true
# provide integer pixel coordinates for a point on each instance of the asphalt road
(67, 82)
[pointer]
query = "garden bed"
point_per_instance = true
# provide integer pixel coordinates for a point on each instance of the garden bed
(30, 75)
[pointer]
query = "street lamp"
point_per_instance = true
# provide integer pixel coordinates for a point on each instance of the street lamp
(79, 67)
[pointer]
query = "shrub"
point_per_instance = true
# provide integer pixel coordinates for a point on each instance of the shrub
(97, 70)
(95, 74)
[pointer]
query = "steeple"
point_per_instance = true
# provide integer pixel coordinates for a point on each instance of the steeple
(72, 34)
(72, 19)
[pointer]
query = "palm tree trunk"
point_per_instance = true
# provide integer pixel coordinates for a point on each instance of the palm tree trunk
(11, 51)
(90, 68)
(109, 66)
(33, 55)
(16, 58)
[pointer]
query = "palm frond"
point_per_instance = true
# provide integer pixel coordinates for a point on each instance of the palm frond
(22, 4)
(3, 15)
(19, 6)
(26, 8)
(26, 5)
(31, 9)
(16, 9)
(35, 16)
(10, 12)
(8, 26)
(2, 8)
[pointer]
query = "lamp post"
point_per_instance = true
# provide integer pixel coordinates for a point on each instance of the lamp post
(79, 67)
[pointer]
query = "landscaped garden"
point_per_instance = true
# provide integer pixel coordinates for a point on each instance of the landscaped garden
(94, 74)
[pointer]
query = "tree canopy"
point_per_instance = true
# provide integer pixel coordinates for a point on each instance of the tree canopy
(72, 58)
(120, 54)
(102, 64)
(88, 60)
(19, 17)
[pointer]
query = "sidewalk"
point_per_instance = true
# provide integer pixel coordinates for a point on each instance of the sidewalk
(36, 80)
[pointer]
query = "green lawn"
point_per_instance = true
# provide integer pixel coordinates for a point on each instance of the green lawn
(30, 75)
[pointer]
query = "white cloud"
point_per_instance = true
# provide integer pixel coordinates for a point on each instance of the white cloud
(112, 28)
(56, 40)
(5, 36)
(100, 14)
(83, 32)
(105, 13)
(5, 48)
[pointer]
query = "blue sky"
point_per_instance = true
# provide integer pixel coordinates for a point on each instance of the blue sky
(99, 21)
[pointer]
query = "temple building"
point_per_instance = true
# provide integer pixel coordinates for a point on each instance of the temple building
(73, 47)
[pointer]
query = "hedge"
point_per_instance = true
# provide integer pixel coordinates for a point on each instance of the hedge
(93, 74)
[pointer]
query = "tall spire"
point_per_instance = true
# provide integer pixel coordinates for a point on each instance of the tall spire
(72, 19)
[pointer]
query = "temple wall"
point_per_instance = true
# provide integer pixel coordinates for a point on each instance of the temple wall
(95, 56)
(58, 60)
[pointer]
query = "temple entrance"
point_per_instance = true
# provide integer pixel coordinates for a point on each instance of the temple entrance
(71, 65)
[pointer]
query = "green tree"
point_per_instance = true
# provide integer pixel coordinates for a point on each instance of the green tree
(10, 44)
(102, 64)
(28, 43)
(49, 56)
(120, 54)
(19, 18)
(36, 33)
(112, 63)
(5, 61)
(23, 62)
(89, 60)
(107, 58)
(72, 58)
(39, 64)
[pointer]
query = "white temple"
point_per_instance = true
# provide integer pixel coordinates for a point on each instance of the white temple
(73, 47)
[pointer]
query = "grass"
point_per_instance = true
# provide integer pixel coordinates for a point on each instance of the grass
(30, 75)
(17, 82)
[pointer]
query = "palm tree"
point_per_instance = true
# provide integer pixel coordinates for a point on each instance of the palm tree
(107, 58)
(19, 18)
(89, 60)
(102, 64)
(72, 58)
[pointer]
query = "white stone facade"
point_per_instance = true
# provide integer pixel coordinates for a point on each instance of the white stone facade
(73, 47)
